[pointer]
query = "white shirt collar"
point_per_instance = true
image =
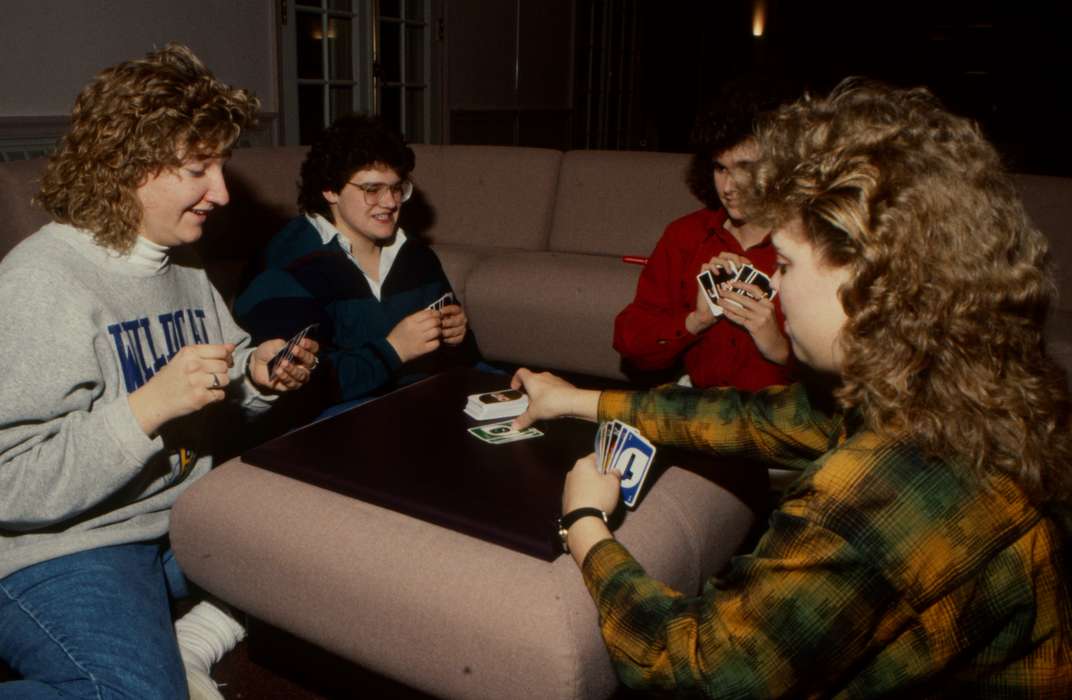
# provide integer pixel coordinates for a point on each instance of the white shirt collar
(327, 232)
(149, 255)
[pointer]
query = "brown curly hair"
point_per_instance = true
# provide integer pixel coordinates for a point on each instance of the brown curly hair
(949, 287)
(353, 142)
(132, 121)
(727, 119)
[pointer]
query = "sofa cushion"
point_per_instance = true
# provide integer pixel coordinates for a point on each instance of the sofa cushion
(459, 261)
(262, 183)
(550, 309)
(618, 202)
(18, 184)
(483, 195)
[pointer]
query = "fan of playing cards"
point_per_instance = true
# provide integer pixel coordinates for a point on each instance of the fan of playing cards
(445, 300)
(287, 351)
(746, 274)
(621, 447)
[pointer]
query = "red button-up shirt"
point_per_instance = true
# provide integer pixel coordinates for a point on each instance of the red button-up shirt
(650, 333)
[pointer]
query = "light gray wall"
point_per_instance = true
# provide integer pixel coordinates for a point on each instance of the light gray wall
(49, 49)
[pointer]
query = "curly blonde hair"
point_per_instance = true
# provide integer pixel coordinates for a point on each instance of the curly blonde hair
(949, 285)
(132, 121)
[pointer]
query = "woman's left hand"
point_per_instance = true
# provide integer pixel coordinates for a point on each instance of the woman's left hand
(585, 486)
(289, 374)
(454, 324)
(758, 318)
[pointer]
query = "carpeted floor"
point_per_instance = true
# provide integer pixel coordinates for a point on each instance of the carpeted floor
(241, 678)
(273, 665)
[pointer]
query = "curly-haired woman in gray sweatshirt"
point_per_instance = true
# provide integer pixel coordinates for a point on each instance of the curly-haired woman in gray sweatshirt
(118, 351)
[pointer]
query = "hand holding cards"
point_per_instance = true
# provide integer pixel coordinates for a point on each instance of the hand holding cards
(710, 283)
(746, 274)
(750, 275)
(287, 352)
(620, 447)
(445, 300)
(492, 405)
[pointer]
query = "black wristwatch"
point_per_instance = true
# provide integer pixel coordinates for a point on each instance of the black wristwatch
(573, 516)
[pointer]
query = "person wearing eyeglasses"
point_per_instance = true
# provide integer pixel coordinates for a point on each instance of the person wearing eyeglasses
(668, 330)
(345, 264)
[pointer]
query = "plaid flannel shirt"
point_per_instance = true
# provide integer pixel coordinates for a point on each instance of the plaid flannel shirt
(882, 572)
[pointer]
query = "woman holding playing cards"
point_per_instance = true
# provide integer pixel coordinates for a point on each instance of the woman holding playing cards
(924, 549)
(381, 299)
(118, 352)
(670, 325)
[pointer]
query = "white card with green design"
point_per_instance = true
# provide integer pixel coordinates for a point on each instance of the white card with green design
(499, 433)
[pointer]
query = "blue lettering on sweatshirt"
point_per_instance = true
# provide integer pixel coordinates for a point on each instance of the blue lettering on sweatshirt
(199, 334)
(167, 324)
(136, 347)
(179, 332)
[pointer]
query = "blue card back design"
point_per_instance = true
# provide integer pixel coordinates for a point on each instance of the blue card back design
(632, 461)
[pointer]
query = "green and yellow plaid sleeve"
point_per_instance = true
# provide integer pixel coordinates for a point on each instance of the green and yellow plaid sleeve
(883, 573)
(778, 425)
(788, 620)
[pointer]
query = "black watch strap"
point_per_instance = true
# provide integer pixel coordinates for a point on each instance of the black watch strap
(573, 516)
(577, 513)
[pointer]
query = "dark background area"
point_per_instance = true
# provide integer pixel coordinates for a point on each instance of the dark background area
(1004, 64)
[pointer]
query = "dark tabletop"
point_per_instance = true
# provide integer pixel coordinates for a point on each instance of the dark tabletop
(411, 451)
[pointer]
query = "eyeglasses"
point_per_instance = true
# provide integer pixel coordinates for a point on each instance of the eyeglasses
(400, 191)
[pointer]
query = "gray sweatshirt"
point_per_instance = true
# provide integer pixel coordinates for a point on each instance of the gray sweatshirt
(81, 328)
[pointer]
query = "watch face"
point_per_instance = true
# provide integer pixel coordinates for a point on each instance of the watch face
(562, 533)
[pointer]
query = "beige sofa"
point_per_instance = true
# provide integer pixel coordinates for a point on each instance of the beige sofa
(532, 240)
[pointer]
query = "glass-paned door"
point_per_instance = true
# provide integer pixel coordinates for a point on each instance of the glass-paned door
(403, 65)
(340, 56)
(330, 64)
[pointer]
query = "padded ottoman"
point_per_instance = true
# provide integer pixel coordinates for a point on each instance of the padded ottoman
(437, 610)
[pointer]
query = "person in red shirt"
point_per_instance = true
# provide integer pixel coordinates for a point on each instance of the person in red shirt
(669, 327)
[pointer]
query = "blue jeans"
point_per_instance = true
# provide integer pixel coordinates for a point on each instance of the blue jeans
(95, 624)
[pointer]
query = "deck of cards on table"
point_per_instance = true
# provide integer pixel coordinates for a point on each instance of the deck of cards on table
(494, 405)
(620, 447)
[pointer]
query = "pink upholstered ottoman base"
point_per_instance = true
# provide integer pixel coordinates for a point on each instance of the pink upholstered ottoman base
(439, 611)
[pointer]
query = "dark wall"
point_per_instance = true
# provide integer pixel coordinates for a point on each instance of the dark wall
(509, 72)
(637, 71)
(1006, 65)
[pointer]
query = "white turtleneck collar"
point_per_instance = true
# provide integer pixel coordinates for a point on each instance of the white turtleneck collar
(149, 255)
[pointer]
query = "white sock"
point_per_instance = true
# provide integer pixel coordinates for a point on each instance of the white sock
(205, 634)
